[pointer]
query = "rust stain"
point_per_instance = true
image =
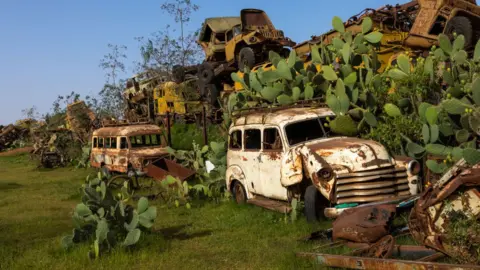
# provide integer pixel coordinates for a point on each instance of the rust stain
(326, 154)
(274, 155)
(244, 159)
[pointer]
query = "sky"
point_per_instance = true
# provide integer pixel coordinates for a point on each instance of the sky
(52, 47)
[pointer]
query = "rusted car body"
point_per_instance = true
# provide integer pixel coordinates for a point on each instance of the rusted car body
(280, 154)
(126, 149)
(139, 96)
(453, 197)
(413, 26)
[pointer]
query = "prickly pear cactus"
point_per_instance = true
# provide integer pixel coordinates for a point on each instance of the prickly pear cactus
(106, 220)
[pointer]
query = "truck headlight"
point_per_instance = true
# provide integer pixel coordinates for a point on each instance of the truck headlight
(146, 162)
(325, 174)
(413, 167)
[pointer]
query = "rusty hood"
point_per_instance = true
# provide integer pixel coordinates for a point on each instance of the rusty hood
(351, 154)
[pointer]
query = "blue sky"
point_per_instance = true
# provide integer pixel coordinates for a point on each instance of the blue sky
(52, 47)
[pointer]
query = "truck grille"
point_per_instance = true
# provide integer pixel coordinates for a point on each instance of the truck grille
(272, 34)
(371, 186)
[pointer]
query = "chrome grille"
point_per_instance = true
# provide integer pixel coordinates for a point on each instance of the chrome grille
(371, 186)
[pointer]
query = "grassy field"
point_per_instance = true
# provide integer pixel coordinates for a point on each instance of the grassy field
(35, 213)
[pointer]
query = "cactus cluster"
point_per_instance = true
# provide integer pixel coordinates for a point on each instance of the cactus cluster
(210, 183)
(106, 219)
(341, 73)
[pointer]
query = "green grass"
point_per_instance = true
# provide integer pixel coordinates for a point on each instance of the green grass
(35, 213)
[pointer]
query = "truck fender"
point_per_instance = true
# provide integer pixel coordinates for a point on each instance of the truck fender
(291, 168)
(234, 172)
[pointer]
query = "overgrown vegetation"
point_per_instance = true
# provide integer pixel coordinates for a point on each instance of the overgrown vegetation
(419, 106)
(459, 232)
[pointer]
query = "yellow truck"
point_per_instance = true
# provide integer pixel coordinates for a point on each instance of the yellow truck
(412, 27)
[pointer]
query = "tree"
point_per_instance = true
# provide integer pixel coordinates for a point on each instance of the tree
(31, 113)
(181, 10)
(162, 50)
(111, 96)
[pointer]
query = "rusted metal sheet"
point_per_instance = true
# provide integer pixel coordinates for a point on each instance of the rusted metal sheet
(364, 224)
(452, 197)
(354, 262)
(161, 168)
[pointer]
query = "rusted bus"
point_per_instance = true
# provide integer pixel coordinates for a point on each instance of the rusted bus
(278, 153)
(127, 149)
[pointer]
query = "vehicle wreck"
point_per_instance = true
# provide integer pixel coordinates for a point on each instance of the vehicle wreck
(287, 153)
(452, 201)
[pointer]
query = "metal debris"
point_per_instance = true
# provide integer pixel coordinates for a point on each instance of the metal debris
(455, 196)
(364, 224)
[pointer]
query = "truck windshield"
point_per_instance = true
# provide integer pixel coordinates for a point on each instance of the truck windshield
(145, 140)
(308, 130)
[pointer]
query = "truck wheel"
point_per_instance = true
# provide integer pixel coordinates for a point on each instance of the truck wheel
(239, 193)
(313, 204)
(205, 73)
(246, 58)
(462, 26)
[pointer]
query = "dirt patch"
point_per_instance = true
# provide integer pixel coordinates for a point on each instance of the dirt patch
(16, 151)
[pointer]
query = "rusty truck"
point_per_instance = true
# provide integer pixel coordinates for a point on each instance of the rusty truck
(232, 43)
(412, 27)
(277, 155)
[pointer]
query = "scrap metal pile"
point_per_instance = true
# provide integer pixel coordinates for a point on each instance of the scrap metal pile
(443, 220)
(10, 134)
(55, 146)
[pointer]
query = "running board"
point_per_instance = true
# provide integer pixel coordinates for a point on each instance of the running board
(274, 205)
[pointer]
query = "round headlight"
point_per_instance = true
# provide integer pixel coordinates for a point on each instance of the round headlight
(253, 39)
(146, 162)
(325, 174)
(413, 167)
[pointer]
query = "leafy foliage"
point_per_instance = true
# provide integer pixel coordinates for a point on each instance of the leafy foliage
(208, 182)
(106, 220)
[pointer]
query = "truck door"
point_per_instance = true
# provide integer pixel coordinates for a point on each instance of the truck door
(270, 162)
(250, 159)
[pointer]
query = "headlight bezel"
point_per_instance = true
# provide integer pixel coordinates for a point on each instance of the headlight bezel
(413, 167)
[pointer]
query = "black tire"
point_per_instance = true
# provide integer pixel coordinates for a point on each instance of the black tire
(285, 52)
(313, 204)
(178, 73)
(462, 26)
(238, 192)
(211, 94)
(246, 58)
(205, 73)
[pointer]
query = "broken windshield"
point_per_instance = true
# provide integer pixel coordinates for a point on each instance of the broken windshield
(308, 130)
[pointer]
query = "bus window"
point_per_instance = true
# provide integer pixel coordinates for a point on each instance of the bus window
(123, 143)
